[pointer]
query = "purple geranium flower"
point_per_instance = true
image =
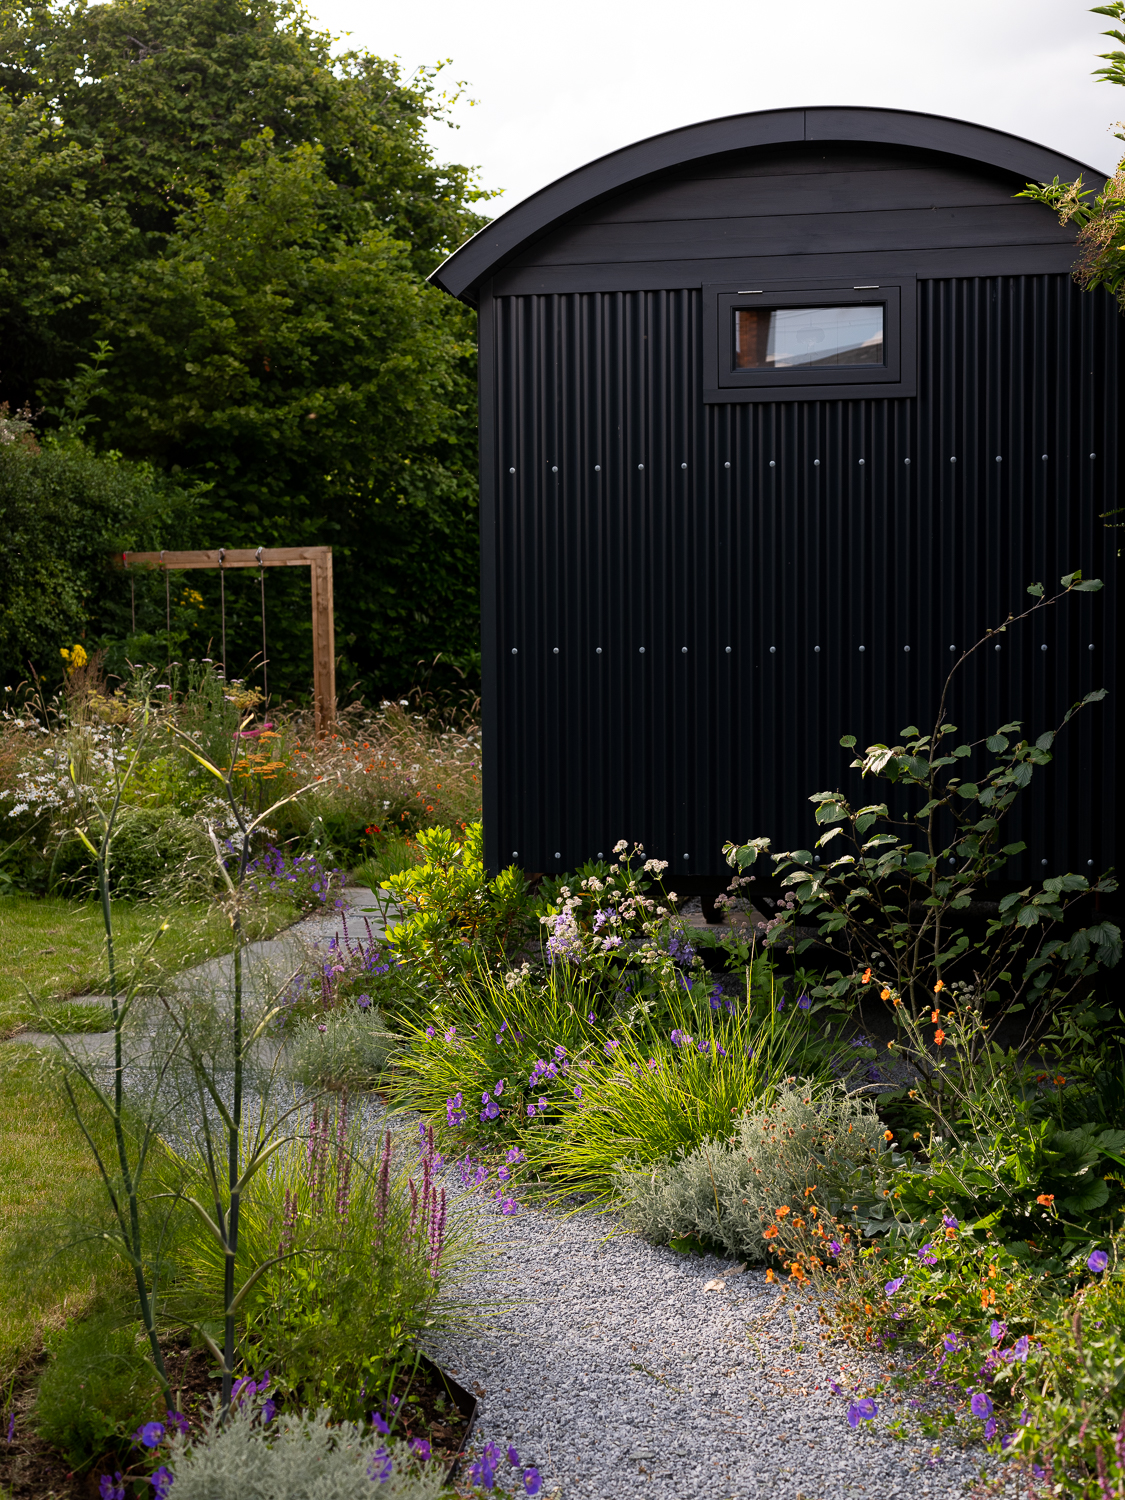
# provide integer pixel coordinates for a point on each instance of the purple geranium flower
(112, 1489)
(379, 1424)
(531, 1480)
(499, 1089)
(513, 1458)
(861, 1411)
(950, 1342)
(578, 1091)
(980, 1405)
(421, 1446)
(990, 1429)
(1098, 1262)
(892, 1286)
(926, 1255)
(381, 1466)
(997, 1329)
(150, 1435)
(804, 1002)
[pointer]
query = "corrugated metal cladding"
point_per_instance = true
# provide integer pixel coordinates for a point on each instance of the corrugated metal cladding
(695, 602)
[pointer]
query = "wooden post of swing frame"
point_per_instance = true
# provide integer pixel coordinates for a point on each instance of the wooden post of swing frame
(317, 559)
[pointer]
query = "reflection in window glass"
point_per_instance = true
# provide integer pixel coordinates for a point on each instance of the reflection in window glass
(786, 338)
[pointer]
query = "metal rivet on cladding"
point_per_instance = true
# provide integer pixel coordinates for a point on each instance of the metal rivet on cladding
(600, 854)
(554, 468)
(953, 648)
(773, 463)
(772, 650)
(597, 468)
(511, 471)
(863, 648)
(996, 648)
(683, 650)
(1090, 647)
(952, 460)
(515, 854)
(1042, 861)
(863, 460)
(641, 649)
(597, 650)
(558, 854)
(1089, 861)
(683, 466)
(640, 466)
(999, 460)
(816, 648)
(1042, 648)
(556, 651)
(1092, 455)
(816, 463)
(727, 464)
(687, 856)
(906, 460)
(1043, 458)
(728, 650)
(906, 648)
(515, 650)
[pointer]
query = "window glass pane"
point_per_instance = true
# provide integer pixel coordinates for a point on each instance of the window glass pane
(786, 338)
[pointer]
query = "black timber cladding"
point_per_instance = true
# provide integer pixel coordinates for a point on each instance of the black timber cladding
(798, 525)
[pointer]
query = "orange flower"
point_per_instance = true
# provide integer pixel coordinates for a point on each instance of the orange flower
(935, 1016)
(987, 1297)
(1060, 1082)
(1046, 1199)
(951, 1234)
(888, 1135)
(884, 994)
(782, 1211)
(770, 1233)
(770, 1276)
(939, 986)
(939, 1036)
(866, 977)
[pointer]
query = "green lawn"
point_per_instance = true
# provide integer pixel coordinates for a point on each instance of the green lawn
(47, 1178)
(51, 948)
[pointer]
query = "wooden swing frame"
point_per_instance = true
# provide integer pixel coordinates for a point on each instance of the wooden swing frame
(318, 559)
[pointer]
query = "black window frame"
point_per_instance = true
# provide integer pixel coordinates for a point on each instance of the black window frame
(896, 377)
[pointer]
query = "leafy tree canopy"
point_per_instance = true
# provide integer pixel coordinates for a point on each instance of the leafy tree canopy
(240, 221)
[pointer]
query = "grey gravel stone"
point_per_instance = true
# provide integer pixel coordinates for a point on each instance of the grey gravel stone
(616, 1373)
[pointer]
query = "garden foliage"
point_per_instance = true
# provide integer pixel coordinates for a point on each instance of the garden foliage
(806, 1149)
(255, 1455)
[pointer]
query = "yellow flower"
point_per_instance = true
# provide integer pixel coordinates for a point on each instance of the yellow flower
(76, 658)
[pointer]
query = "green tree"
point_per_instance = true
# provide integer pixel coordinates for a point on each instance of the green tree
(268, 213)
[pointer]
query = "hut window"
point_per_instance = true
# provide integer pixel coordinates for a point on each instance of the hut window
(805, 342)
(785, 338)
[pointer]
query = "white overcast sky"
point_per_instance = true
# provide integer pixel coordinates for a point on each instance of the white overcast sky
(559, 84)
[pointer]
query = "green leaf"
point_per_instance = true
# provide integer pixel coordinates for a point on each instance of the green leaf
(997, 743)
(1036, 589)
(962, 751)
(911, 732)
(968, 790)
(848, 741)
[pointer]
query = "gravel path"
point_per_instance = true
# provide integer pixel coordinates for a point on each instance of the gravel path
(619, 1374)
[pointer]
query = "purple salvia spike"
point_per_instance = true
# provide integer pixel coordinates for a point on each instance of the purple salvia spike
(343, 1181)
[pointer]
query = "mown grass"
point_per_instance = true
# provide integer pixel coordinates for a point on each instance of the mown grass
(51, 949)
(48, 1181)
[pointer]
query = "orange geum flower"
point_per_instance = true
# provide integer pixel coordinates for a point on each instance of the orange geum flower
(769, 1275)
(888, 1135)
(939, 1036)
(1046, 1199)
(782, 1211)
(884, 994)
(935, 1016)
(866, 977)
(1060, 1082)
(770, 1233)
(939, 986)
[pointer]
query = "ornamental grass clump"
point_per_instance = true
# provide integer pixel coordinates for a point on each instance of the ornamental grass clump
(805, 1152)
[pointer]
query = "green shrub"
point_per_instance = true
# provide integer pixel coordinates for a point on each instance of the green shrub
(344, 1048)
(368, 1248)
(303, 1457)
(727, 1190)
(454, 913)
(158, 849)
(98, 1387)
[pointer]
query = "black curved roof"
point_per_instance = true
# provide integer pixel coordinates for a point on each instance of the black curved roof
(506, 237)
